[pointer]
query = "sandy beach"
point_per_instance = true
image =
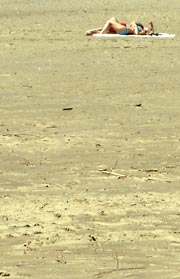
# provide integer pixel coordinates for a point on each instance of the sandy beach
(89, 142)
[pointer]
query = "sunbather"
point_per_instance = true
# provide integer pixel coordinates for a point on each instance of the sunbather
(113, 26)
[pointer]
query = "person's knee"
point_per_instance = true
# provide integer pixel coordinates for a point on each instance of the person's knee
(109, 22)
(113, 18)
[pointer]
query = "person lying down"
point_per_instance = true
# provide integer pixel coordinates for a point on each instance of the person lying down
(113, 26)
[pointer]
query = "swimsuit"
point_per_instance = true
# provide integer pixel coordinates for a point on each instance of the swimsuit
(125, 32)
(123, 23)
(139, 28)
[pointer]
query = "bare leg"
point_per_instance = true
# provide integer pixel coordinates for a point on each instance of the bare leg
(113, 26)
(106, 27)
(114, 19)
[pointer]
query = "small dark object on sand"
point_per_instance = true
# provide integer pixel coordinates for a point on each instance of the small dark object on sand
(4, 274)
(67, 108)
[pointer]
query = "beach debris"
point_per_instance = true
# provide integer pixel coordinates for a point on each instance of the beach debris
(102, 213)
(43, 205)
(58, 215)
(25, 136)
(148, 170)
(70, 108)
(92, 238)
(145, 170)
(103, 273)
(109, 171)
(38, 232)
(4, 218)
(27, 226)
(98, 146)
(4, 274)
(105, 171)
(138, 105)
(150, 179)
(61, 260)
(52, 127)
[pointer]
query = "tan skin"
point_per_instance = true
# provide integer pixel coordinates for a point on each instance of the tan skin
(113, 26)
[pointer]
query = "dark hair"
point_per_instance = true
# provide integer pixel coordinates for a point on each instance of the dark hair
(140, 24)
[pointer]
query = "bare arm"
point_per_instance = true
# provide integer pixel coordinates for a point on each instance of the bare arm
(133, 25)
(93, 31)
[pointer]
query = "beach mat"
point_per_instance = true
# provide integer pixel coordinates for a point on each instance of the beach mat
(154, 36)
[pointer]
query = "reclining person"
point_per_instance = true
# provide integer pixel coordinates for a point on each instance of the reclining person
(113, 26)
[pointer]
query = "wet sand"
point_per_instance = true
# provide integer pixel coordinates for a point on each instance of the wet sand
(89, 142)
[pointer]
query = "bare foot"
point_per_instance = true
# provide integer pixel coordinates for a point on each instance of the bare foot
(89, 33)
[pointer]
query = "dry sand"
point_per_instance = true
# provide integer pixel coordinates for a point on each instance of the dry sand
(60, 215)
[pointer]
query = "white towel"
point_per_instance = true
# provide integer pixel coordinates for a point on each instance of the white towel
(159, 36)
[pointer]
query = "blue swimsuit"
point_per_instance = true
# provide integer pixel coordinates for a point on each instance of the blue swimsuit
(139, 28)
(125, 32)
